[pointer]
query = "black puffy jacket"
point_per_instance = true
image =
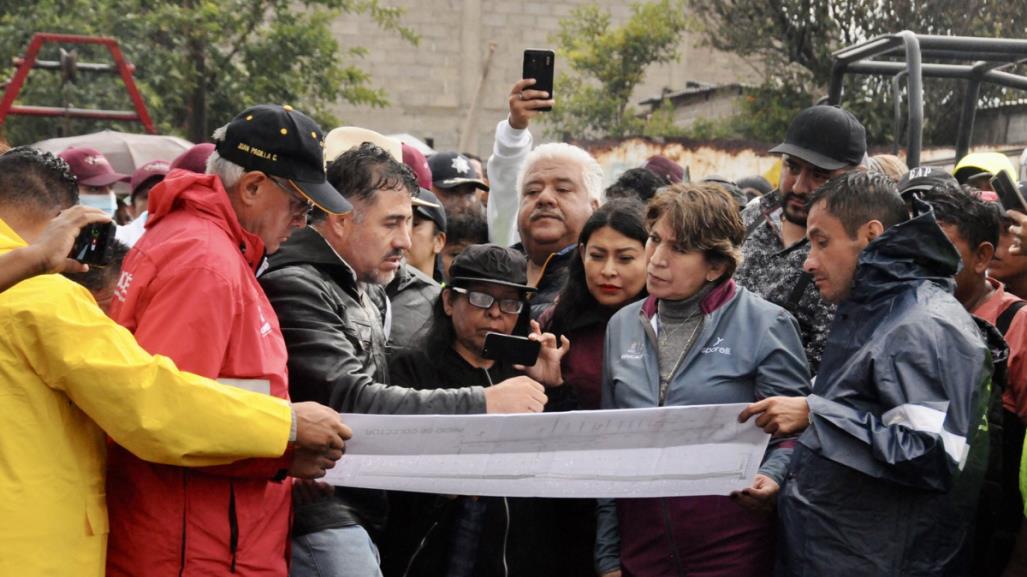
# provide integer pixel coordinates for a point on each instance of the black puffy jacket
(884, 482)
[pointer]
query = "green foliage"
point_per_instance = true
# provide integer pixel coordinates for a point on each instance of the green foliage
(789, 43)
(198, 62)
(607, 63)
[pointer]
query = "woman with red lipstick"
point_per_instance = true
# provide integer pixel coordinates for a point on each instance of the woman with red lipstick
(607, 273)
(697, 339)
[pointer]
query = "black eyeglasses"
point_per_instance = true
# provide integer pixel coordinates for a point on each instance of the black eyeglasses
(298, 204)
(485, 301)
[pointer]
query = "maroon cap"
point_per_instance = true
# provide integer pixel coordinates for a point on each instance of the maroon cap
(152, 169)
(416, 161)
(665, 168)
(91, 168)
(194, 159)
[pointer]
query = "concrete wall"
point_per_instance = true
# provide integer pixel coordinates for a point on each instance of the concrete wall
(431, 86)
(711, 106)
(1007, 125)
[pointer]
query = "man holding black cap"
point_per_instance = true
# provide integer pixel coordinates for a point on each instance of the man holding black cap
(455, 181)
(188, 290)
(822, 142)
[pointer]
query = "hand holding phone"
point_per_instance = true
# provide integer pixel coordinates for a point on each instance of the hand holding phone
(94, 245)
(1008, 192)
(511, 349)
(540, 66)
(55, 243)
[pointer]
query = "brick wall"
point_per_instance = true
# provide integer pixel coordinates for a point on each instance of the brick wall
(431, 86)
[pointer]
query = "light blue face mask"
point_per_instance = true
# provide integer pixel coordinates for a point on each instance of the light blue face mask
(105, 202)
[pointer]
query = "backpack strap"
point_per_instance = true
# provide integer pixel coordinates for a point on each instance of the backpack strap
(1006, 318)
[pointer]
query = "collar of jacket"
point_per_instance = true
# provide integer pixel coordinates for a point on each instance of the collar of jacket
(713, 301)
(597, 315)
(307, 246)
(9, 240)
(204, 196)
(406, 277)
(913, 251)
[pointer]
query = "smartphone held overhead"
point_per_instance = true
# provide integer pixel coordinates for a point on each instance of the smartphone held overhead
(540, 64)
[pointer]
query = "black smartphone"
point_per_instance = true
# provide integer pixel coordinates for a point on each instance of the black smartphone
(94, 244)
(511, 349)
(1008, 192)
(539, 64)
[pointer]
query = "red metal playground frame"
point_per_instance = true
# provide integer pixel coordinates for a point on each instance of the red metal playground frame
(124, 69)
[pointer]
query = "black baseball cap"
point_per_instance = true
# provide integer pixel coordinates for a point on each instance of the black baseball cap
(925, 178)
(490, 263)
(428, 206)
(451, 169)
(286, 143)
(827, 137)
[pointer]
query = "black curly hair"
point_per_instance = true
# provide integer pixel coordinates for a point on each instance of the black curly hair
(37, 179)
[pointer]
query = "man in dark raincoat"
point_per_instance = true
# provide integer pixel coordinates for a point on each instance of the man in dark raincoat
(884, 480)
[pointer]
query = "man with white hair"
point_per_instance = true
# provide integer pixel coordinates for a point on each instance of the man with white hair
(560, 185)
(188, 290)
(553, 189)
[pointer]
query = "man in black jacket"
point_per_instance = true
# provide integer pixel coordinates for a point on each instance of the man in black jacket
(885, 478)
(321, 283)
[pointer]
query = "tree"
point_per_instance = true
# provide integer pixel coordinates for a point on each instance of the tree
(789, 45)
(198, 62)
(607, 64)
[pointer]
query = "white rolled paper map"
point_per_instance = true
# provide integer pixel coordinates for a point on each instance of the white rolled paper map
(654, 452)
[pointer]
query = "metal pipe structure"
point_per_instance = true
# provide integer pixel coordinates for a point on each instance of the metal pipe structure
(915, 82)
(977, 60)
(121, 67)
(896, 89)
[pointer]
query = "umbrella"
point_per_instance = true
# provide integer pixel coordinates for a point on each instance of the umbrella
(412, 140)
(125, 151)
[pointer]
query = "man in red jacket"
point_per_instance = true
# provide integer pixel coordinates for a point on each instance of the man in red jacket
(188, 290)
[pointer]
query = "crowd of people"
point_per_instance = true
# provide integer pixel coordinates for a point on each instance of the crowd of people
(169, 414)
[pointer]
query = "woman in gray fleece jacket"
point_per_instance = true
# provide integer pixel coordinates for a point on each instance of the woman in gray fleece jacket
(698, 339)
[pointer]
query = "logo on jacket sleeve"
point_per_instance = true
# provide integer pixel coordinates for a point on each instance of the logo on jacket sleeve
(716, 348)
(121, 289)
(265, 327)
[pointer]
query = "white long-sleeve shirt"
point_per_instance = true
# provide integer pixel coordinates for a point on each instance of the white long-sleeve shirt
(508, 153)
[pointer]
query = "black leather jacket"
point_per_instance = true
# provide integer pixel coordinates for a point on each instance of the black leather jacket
(336, 342)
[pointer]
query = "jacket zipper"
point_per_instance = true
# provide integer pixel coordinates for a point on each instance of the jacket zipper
(506, 536)
(670, 538)
(692, 340)
(233, 525)
(185, 515)
(506, 506)
(420, 547)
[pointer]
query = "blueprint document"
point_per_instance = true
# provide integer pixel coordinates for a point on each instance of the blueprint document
(656, 452)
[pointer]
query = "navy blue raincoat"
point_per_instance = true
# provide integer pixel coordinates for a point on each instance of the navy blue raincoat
(884, 481)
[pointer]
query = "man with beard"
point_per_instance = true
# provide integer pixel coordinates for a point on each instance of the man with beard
(323, 285)
(822, 142)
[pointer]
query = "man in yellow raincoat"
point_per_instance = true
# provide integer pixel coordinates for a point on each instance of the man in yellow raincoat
(69, 375)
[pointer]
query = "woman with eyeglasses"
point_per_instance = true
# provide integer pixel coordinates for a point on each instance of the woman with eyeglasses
(697, 339)
(465, 536)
